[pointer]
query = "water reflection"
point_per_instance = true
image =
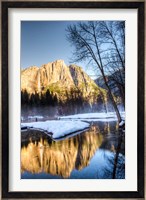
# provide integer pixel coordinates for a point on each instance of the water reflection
(113, 151)
(61, 157)
(75, 157)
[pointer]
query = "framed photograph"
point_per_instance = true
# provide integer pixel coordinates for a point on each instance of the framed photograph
(72, 99)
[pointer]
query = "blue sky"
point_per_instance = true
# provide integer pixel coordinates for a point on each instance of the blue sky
(45, 41)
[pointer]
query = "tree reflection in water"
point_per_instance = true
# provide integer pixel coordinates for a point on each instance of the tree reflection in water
(115, 162)
(70, 156)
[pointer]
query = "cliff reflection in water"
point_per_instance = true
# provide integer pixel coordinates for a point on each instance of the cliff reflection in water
(60, 157)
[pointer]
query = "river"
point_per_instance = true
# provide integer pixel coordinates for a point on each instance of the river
(97, 153)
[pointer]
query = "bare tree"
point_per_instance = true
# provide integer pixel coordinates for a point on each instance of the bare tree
(89, 45)
(113, 32)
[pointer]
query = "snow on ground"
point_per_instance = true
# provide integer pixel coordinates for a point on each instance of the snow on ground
(70, 124)
(90, 120)
(58, 128)
(36, 116)
(110, 116)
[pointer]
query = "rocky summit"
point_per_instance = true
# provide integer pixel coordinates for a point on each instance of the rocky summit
(61, 80)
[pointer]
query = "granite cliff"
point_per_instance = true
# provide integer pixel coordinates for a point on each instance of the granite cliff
(61, 80)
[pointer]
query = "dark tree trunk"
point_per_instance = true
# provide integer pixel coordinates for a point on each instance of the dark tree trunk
(122, 89)
(112, 99)
(116, 157)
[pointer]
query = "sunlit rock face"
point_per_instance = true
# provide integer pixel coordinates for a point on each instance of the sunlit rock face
(60, 158)
(55, 72)
(28, 79)
(46, 75)
(62, 80)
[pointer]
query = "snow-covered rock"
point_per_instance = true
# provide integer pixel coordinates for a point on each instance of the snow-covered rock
(58, 128)
(122, 123)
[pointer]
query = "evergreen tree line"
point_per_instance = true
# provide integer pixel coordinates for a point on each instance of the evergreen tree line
(72, 98)
(38, 99)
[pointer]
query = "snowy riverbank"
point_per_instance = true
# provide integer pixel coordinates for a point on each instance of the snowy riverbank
(57, 128)
(110, 116)
(70, 124)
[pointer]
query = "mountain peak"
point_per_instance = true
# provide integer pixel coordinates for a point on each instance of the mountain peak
(58, 62)
(33, 67)
(60, 79)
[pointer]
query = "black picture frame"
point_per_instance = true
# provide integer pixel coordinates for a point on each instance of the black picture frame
(5, 100)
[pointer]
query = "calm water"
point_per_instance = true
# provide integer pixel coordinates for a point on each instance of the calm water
(98, 153)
